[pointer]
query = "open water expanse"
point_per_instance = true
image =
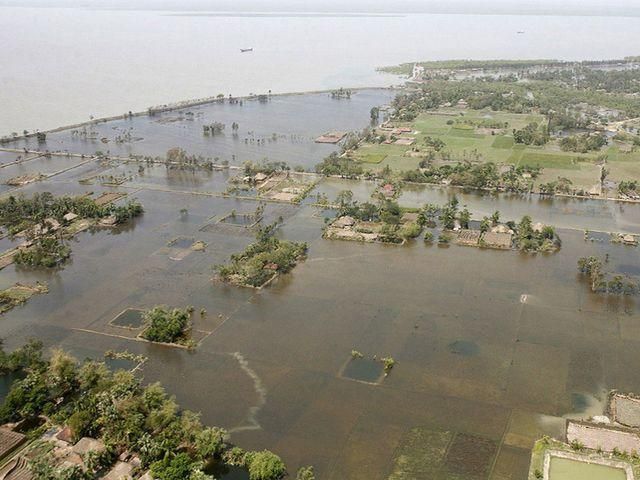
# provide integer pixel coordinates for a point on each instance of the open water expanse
(62, 65)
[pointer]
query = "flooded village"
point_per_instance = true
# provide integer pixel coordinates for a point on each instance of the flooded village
(295, 269)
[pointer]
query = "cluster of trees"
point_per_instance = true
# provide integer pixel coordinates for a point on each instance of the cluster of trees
(262, 259)
(583, 143)
(450, 213)
(531, 134)
(46, 251)
(20, 213)
(436, 144)
(475, 175)
(177, 157)
(341, 93)
(582, 77)
(561, 185)
(606, 284)
(335, 164)
(406, 68)
(566, 120)
(214, 128)
(530, 239)
(127, 416)
(167, 325)
(508, 94)
(251, 168)
(124, 213)
(626, 187)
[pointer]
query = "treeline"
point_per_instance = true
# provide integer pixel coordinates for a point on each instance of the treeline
(475, 175)
(515, 97)
(611, 80)
(406, 68)
(20, 213)
(583, 143)
(532, 134)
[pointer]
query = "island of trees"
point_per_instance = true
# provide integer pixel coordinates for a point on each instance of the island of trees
(262, 260)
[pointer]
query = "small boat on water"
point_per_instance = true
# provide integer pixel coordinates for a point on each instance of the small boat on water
(520, 32)
(244, 50)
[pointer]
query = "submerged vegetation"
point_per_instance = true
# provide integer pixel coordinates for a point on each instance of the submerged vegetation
(262, 260)
(606, 283)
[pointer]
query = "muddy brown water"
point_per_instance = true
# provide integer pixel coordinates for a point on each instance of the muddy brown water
(492, 348)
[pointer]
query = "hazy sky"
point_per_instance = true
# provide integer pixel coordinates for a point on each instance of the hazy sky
(578, 7)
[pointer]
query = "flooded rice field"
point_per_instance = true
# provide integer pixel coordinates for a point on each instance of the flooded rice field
(493, 348)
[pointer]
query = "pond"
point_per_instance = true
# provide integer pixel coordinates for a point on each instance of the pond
(567, 469)
(129, 318)
(364, 370)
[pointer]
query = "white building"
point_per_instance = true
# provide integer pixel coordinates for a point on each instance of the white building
(418, 72)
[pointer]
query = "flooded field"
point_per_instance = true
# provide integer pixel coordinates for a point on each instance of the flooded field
(265, 129)
(492, 348)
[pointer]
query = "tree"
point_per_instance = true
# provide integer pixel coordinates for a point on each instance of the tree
(464, 218)
(266, 465)
(165, 325)
(173, 467)
(305, 473)
(344, 198)
(210, 442)
(485, 224)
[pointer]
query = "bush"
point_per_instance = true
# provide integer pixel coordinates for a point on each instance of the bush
(410, 230)
(45, 252)
(164, 325)
(210, 442)
(178, 467)
(266, 465)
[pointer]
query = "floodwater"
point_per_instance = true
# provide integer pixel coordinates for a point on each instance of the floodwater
(492, 348)
(266, 130)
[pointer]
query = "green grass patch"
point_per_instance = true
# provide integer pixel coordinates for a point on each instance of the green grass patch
(516, 156)
(464, 133)
(371, 157)
(502, 141)
(462, 126)
(545, 160)
(435, 131)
